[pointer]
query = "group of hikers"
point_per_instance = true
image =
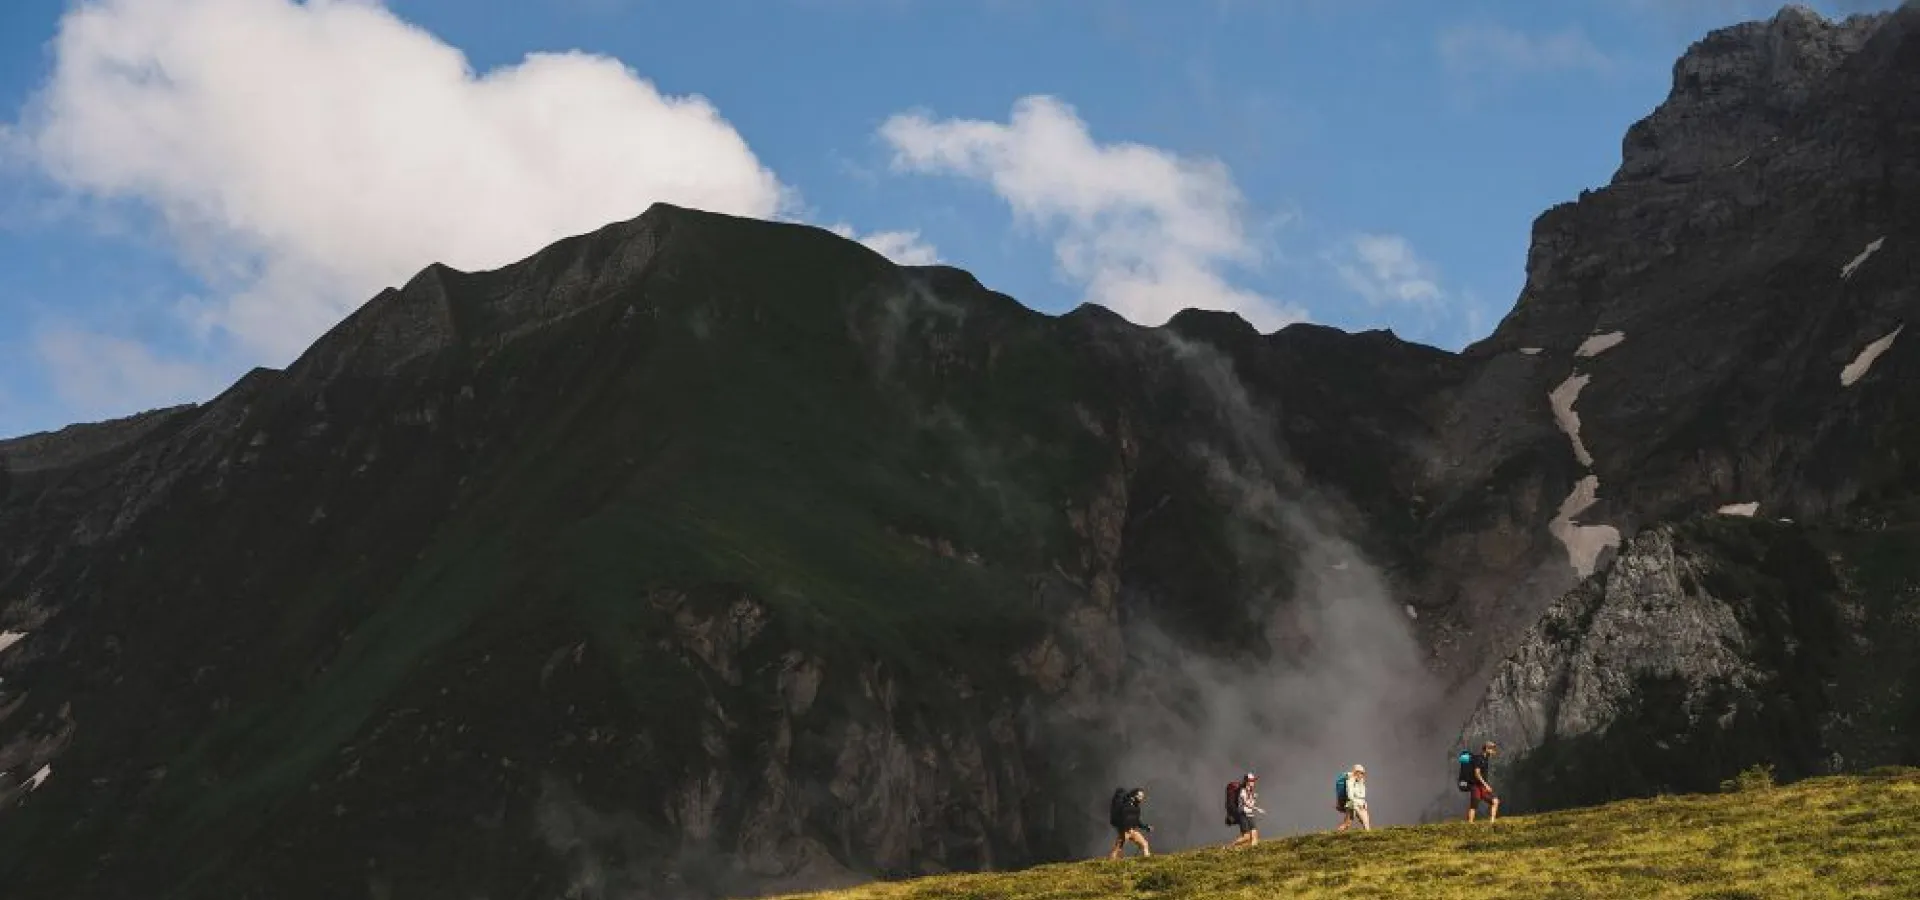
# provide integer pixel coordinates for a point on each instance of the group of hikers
(1349, 799)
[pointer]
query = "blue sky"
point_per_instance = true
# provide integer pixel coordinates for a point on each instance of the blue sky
(192, 187)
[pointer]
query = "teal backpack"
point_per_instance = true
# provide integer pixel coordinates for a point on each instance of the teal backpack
(1340, 792)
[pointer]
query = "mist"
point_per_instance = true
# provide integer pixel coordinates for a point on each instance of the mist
(1343, 681)
(615, 855)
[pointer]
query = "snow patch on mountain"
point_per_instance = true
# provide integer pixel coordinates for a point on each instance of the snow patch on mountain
(1597, 344)
(1562, 399)
(1847, 270)
(1858, 368)
(1584, 543)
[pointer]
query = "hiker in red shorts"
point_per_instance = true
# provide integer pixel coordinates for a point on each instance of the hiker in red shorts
(1473, 780)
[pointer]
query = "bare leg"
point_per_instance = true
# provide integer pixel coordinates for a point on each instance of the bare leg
(1346, 820)
(1493, 809)
(1366, 818)
(1141, 839)
(1119, 844)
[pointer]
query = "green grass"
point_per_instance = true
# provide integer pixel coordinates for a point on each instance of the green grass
(1847, 836)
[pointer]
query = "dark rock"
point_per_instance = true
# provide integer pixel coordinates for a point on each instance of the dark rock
(1709, 647)
(1739, 90)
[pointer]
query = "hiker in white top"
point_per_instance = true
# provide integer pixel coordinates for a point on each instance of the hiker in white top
(1356, 810)
(1249, 812)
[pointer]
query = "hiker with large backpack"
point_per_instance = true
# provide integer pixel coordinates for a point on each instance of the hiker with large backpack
(1474, 771)
(1124, 816)
(1350, 798)
(1243, 810)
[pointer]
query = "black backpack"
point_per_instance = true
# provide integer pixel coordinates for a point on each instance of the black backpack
(1466, 770)
(1233, 802)
(1117, 813)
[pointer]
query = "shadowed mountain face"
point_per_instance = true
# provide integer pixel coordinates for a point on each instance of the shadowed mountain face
(695, 555)
(701, 555)
(1753, 270)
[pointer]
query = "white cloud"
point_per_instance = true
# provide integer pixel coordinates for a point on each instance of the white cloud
(1497, 48)
(103, 375)
(905, 248)
(1146, 232)
(1384, 269)
(304, 155)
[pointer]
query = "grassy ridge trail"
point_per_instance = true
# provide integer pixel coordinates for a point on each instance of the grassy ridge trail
(1843, 836)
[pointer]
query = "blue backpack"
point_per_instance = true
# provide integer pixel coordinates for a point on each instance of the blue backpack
(1340, 791)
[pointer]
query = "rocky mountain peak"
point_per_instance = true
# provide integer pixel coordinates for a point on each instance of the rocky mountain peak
(1736, 88)
(423, 317)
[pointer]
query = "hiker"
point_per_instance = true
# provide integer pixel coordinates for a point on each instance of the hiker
(1243, 809)
(1125, 818)
(1474, 769)
(1350, 797)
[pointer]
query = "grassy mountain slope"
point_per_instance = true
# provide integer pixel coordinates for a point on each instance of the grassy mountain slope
(538, 524)
(1826, 837)
(721, 549)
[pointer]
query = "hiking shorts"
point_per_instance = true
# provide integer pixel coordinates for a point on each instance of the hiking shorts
(1247, 824)
(1483, 794)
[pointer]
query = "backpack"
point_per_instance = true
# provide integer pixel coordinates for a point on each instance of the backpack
(1340, 790)
(1116, 814)
(1466, 770)
(1233, 802)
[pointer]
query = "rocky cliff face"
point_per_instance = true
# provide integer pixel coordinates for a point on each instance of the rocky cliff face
(1748, 295)
(1684, 345)
(1709, 647)
(1738, 90)
(635, 569)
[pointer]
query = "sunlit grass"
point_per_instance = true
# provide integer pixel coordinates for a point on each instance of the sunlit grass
(1851, 836)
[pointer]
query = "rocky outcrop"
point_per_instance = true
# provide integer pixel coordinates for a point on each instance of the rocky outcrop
(1709, 647)
(1738, 90)
(1688, 343)
(1755, 206)
(1579, 667)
